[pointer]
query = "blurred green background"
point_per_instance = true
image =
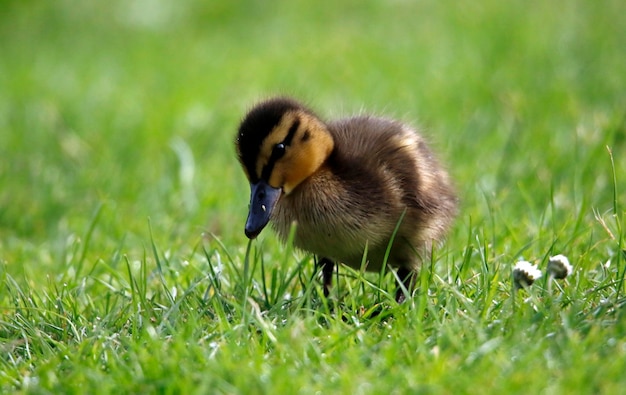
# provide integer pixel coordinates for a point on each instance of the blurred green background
(117, 164)
(130, 108)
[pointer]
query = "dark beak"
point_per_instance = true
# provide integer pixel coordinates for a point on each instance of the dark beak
(263, 198)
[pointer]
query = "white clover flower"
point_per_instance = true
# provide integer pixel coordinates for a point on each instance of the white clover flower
(559, 267)
(525, 274)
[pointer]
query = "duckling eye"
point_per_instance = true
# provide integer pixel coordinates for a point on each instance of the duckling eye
(279, 150)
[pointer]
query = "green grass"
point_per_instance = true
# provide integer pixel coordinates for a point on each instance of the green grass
(123, 263)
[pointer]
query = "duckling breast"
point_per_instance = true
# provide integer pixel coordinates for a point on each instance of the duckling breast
(331, 219)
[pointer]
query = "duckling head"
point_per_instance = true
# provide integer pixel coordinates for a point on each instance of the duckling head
(280, 144)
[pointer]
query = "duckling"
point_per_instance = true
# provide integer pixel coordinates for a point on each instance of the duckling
(346, 185)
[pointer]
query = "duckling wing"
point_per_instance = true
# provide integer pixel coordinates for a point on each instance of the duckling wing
(398, 154)
(393, 163)
(379, 157)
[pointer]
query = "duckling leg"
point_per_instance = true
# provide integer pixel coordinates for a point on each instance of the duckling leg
(406, 276)
(328, 267)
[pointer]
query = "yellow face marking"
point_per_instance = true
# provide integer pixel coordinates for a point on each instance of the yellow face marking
(276, 136)
(310, 146)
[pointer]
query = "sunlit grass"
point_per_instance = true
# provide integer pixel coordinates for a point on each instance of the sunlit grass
(123, 263)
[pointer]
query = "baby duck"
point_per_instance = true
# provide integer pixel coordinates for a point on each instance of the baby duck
(346, 185)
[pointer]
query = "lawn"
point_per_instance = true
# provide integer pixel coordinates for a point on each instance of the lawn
(123, 263)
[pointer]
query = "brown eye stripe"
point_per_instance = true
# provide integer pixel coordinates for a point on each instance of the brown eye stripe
(267, 169)
(292, 132)
(277, 154)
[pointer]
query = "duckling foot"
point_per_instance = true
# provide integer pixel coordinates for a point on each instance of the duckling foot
(407, 277)
(328, 267)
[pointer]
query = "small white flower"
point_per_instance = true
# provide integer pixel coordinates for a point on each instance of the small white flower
(525, 274)
(559, 267)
